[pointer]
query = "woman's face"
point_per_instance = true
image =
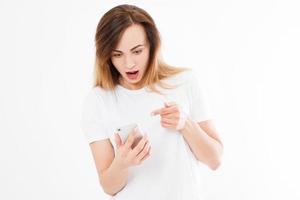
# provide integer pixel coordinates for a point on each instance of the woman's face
(131, 56)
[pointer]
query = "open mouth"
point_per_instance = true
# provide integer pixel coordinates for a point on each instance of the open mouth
(133, 74)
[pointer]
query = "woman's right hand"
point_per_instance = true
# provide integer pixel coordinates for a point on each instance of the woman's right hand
(126, 156)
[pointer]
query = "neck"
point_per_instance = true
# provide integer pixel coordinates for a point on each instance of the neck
(128, 85)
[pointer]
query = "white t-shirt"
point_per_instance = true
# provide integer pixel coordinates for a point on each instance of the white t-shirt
(171, 170)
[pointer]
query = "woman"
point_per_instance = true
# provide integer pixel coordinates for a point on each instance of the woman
(133, 85)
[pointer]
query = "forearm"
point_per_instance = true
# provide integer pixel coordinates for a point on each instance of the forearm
(205, 148)
(114, 179)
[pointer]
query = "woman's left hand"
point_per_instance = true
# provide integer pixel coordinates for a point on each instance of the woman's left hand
(172, 116)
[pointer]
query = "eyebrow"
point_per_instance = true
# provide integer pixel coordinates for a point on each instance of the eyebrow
(130, 49)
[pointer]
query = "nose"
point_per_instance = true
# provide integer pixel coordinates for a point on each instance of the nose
(129, 62)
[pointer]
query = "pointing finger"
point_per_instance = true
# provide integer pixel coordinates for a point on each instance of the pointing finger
(169, 104)
(156, 112)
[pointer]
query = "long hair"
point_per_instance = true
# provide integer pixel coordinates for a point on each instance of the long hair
(109, 31)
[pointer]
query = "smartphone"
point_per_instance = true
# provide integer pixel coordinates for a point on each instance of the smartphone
(125, 130)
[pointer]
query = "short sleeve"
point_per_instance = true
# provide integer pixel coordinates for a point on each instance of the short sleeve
(94, 117)
(199, 106)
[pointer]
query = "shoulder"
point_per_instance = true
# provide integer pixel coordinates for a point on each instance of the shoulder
(97, 93)
(94, 103)
(191, 83)
(93, 93)
(181, 76)
(94, 96)
(186, 77)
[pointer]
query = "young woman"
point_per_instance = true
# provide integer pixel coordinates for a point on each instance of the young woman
(133, 85)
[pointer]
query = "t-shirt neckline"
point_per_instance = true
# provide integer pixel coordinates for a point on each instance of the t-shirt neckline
(137, 91)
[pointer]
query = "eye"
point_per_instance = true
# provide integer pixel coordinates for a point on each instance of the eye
(138, 51)
(116, 55)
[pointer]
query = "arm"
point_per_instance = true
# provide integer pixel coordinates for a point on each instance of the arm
(113, 169)
(201, 137)
(112, 177)
(204, 142)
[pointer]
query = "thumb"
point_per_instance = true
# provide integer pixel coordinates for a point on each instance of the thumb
(118, 140)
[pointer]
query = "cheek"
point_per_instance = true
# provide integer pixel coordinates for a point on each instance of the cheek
(143, 59)
(117, 64)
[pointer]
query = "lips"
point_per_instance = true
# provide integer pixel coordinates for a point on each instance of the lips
(132, 75)
(132, 72)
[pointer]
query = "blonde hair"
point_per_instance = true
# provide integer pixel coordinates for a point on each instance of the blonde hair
(109, 31)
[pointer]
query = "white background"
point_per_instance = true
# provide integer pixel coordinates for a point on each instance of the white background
(246, 54)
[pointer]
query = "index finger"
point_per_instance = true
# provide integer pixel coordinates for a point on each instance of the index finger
(162, 111)
(171, 103)
(156, 112)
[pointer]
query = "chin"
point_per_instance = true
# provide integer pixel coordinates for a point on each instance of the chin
(133, 81)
